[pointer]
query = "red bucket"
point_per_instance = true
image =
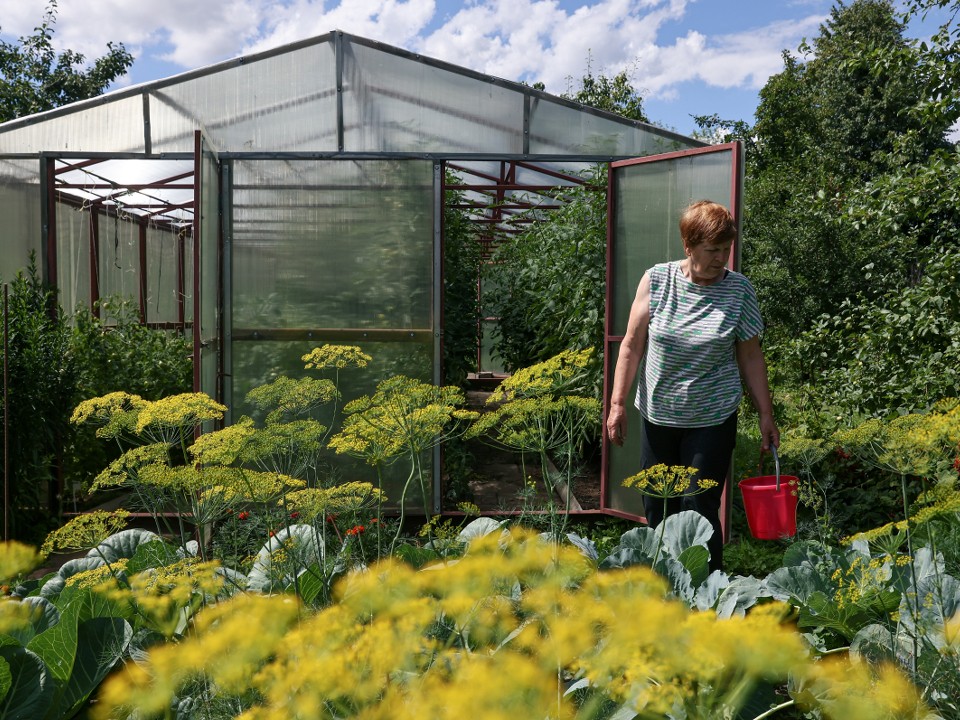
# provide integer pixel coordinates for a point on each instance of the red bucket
(771, 504)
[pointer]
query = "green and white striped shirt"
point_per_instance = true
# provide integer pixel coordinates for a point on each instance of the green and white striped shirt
(689, 376)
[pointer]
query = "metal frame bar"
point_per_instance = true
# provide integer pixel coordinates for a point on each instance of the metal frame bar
(197, 240)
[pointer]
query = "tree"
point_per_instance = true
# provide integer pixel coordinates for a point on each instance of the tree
(33, 78)
(834, 121)
(614, 94)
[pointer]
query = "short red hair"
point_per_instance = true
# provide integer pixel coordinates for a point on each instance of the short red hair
(706, 221)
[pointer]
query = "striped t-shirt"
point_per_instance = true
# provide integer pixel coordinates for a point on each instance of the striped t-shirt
(689, 376)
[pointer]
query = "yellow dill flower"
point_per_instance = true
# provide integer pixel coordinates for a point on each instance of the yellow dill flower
(258, 487)
(285, 446)
(15, 615)
(537, 424)
(944, 503)
(165, 596)
(335, 356)
(403, 416)
(178, 413)
(804, 451)
(345, 497)
(16, 559)
(469, 509)
(286, 396)
(116, 413)
(224, 446)
(233, 639)
(85, 531)
(663, 481)
(126, 468)
(564, 373)
(856, 691)
(101, 577)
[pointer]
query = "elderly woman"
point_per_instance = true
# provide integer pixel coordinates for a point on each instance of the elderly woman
(694, 331)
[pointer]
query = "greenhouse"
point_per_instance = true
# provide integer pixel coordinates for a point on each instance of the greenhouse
(272, 203)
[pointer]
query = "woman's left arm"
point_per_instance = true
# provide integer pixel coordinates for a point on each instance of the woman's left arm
(753, 370)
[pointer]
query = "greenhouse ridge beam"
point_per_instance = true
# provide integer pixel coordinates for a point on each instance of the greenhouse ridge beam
(338, 41)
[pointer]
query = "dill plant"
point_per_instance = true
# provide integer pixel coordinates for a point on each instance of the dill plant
(404, 418)
(527, 622)
(538, 411)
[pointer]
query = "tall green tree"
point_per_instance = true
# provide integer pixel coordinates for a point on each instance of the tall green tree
(837, 119)
(614, 94)
(34, 77)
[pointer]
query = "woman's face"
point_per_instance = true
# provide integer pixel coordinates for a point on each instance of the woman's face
(707, 261)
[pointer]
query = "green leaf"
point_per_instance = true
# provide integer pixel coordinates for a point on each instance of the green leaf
(123, 544)
(152, 554)
(741, 594)
(479, 528)
(696, 559)
(311, 584)
(101, 643)
(797, 584)
(684, 530)
(31, 690)
(44, 615)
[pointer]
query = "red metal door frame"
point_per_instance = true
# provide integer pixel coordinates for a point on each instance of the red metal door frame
(735, 206)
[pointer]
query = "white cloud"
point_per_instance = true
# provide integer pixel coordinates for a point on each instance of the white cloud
(535, 40)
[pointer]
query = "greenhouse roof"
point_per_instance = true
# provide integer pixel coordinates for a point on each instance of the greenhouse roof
(337, 95)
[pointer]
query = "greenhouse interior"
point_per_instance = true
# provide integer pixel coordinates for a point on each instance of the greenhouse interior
(269, 204)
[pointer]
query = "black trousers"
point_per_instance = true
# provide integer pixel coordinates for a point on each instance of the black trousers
(709, 450)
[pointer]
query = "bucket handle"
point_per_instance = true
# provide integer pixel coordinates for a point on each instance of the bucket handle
(776, 463)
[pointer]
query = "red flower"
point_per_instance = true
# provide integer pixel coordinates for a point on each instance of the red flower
(243, 516)
(956, 463)
(272, 533)
(842, 454)
(356, 530)
(294, 515)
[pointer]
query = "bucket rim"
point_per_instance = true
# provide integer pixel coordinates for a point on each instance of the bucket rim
(764, 481)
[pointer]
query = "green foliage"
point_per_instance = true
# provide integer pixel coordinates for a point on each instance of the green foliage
(116, 352)
(614, 94)
(550, 287)
(33, 78)
(900, 353)
(461, 304)
(846, 116)
(43, 379)
(120, 353)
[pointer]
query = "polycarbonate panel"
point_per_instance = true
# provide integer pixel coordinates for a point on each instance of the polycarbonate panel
(285, 102)
(489, 361)
(115, 126)
(624, 461)
(73, 256)
(119, 264)
(163, 260)
(648, 198)
(256, 363)
(560, 129)
(647, 206)
(396, 104)
(20, 210)
(332, 244)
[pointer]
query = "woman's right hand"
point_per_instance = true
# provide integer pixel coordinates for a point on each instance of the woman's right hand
(617, 424)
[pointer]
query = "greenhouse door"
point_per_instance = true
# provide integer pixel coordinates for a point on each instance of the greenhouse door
(645, 198)
(206, 275)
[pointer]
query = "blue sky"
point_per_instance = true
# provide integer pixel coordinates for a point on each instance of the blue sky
(686, 57)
